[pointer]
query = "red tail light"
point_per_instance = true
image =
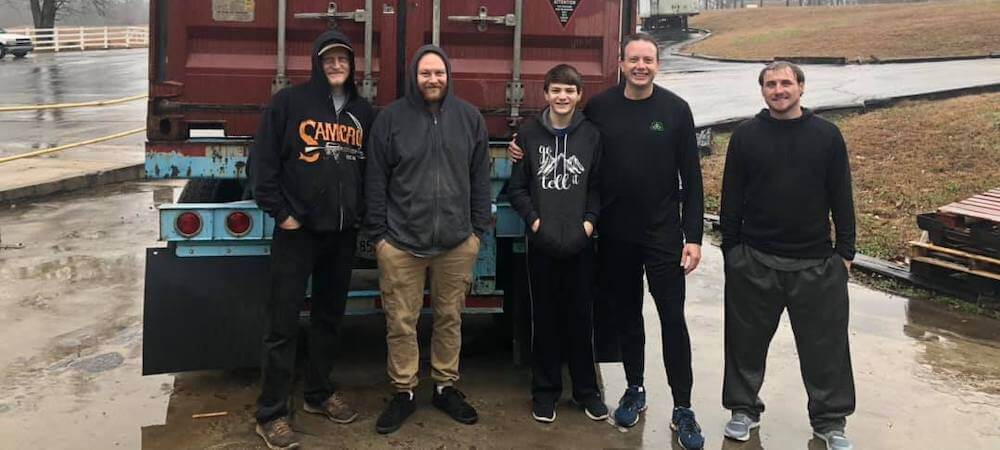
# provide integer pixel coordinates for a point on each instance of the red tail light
(238, 223)
(188, 224)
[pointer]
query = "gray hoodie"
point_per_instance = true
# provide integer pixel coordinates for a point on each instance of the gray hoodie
(427, 181)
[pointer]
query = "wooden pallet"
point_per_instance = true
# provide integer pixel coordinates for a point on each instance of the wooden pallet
(955, 260)
(981, 238)
(982, 207)
(971, 225)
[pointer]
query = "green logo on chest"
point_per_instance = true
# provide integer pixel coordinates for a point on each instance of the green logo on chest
(656, 126)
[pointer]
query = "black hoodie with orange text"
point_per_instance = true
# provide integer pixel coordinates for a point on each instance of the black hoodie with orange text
(308, 158)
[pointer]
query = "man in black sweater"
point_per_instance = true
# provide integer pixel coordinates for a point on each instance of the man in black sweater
(648, 225)
(555, 188)
(786, 174)
(307, 166)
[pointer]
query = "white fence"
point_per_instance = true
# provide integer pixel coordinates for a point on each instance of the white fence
(84, 38)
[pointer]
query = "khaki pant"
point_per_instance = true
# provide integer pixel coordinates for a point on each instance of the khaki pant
(402, 284)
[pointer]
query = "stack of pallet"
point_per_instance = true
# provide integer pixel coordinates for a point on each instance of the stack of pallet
(962, 249)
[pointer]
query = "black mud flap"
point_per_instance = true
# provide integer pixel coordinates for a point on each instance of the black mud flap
(203, 313)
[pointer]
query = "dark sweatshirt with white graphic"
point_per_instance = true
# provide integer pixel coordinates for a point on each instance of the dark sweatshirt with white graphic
(308, 157)
(557, 181)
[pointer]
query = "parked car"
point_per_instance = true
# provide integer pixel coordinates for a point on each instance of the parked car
(16, 44)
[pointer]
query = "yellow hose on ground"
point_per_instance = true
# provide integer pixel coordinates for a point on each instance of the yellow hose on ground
(115, 101)
(69, 146)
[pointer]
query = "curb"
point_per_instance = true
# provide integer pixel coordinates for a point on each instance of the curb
(825, 60)
(721, 59)
(933, 59)
(127, 173)
(869, 104)
(837, 60)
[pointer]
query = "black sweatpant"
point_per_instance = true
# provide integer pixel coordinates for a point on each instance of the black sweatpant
(816, 298)
(295, 255)
(621, 268)
(562, 300)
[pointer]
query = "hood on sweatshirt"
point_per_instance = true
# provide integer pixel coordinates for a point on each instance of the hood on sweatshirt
(413, 94)
(574, 122)
(318, 79)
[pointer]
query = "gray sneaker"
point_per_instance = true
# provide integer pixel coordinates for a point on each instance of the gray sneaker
(334, 408)
(278, 434)
(739, 427)
(835, 440)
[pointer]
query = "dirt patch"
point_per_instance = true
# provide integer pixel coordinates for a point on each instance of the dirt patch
(959, 28)
(905, 160)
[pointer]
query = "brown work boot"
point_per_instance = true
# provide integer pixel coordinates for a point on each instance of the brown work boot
(334, 408)
(278, 434)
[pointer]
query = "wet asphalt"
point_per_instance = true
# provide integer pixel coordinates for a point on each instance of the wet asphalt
(70, 316)
(50, 78)
(71, 306)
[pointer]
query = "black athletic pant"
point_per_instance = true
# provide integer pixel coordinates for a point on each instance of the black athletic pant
(816, 298)
(562, 300)
(295, 255)
(621, 266)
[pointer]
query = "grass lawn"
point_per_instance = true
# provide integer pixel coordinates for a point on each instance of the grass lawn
(945, 28)
(907, 159)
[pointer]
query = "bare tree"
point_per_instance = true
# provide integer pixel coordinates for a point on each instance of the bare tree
(46, 12)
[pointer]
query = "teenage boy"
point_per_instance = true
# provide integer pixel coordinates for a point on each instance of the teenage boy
(555, 188)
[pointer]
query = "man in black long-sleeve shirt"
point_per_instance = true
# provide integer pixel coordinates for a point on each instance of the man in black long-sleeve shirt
(786, 175)
(648, 225)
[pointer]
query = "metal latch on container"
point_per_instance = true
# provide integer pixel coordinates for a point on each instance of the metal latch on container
(369, 89)
(332, 14)
(483, 20)
(515, 93)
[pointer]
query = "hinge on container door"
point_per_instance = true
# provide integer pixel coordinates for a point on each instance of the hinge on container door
(515, 93)
(483, 20)
(331, 15)
(369, 89)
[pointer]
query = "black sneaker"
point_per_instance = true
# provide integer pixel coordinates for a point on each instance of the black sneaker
(595, 408)
(400, 407)
(452, 401)
(543, 411)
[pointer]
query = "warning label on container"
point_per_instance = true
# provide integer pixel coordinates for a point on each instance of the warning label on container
(564, 9)
(233, 10)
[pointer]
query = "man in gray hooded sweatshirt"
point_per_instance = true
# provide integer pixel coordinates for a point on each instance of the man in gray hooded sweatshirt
(427, 189)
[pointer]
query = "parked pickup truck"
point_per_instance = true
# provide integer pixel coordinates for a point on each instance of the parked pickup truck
(18, 45)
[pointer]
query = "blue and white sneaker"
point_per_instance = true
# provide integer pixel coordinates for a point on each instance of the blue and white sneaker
(687, 429)
(631, 404)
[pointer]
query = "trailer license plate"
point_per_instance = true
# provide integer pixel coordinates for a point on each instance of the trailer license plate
(365, 249)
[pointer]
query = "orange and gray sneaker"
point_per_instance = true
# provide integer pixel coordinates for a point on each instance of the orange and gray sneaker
(334, 408)
(278, 434)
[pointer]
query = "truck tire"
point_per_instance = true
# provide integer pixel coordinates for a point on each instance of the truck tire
(211, 191)
(19, 55)
(3, 51)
